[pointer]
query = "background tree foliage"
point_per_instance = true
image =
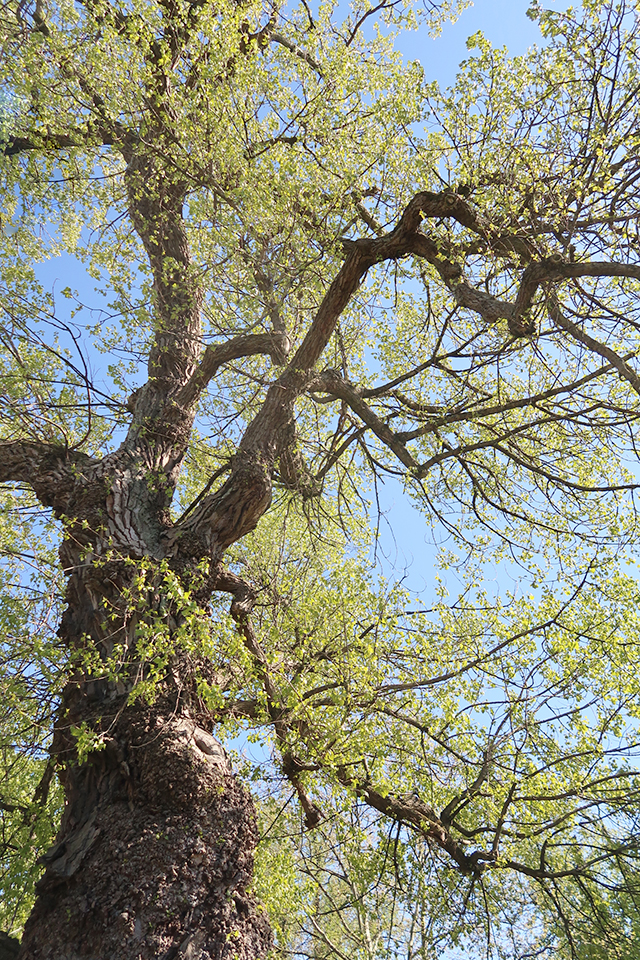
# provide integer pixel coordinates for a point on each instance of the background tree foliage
(436, 286)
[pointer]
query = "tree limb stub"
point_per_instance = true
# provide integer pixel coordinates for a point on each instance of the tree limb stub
(55, 473)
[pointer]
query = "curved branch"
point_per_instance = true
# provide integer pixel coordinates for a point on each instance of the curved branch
(92, 136)
(555, 268)
(362, 254)
(277, 37)
(478, 413)
(413, 812)
(331, 382)
(224, 517)
(52, 472)
(275, 345)
(615, 360)
(294, 472)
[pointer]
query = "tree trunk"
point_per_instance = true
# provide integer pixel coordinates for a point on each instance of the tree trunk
(160, 862)
(155, 853)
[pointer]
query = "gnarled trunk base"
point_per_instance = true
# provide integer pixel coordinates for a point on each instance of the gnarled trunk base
(156, 854)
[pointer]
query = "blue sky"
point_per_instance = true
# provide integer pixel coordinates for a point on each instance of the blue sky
(503, 22)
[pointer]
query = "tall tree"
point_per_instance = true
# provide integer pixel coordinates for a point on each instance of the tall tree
(313, 292)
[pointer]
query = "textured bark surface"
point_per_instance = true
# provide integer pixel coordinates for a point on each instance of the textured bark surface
(156, 852)
(9, 946)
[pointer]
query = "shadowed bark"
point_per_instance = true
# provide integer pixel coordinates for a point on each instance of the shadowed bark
(156, 852)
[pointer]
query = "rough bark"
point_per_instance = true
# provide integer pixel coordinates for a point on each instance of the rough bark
(160, 864)
(156, 852)
(154, 855)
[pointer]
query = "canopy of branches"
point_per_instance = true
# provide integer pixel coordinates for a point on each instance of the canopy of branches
(320, 273)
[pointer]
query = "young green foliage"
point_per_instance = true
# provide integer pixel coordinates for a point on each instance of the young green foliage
(322, 271)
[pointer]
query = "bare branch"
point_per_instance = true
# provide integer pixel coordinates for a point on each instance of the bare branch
(243, 600)
(333, 383)
(278, 37)
(413, 812)
(92, 136)
(478, 413)
(489, 308)
(275, 345)
(555, 268)
(616, 361)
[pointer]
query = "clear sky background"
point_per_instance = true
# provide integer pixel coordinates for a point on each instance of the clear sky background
(503, 22)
